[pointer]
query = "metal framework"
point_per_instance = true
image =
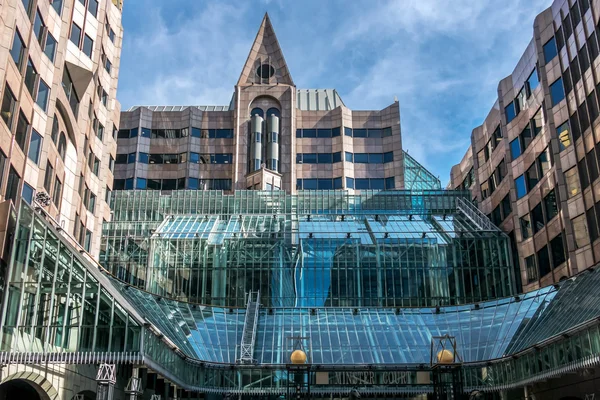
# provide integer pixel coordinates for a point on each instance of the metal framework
(249, 331)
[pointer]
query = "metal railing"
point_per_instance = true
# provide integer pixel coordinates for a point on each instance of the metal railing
(249, 332)
(475, 215)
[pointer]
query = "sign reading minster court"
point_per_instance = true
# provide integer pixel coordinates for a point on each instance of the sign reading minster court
(373, 378)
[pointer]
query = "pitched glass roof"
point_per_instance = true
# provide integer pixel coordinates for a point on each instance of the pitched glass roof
(376, 335)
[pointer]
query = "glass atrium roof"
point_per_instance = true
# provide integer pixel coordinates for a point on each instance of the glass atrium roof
(485, 331)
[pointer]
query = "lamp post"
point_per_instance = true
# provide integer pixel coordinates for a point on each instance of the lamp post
(298, 371)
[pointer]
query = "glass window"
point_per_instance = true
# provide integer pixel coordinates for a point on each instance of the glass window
(572, 182)
(537, 218)
(375, 158)
(590, 159)
(361, 184)
(50, 47)
(48, 176)
(390, 183)
(564, 139)
(335, 132)
(361, 158)
(496, 216)
(57, 5)
(8, 106)
(510, 112)
(550, 50)
(575, 15)
(18, 51)
(57, 192)
(520, 185)
(375, 133)
(323, 133)
(531, 268)
(28, 4)
(526, 230)
(359, 133)
(349, 157)
(388, 157)
(21, 131)
(324, 184)
(551, 205)
(35, 146)
(506, 206)
(31, 76)
(592, 224)
(584, 59)
(88, 45)
(337, 157)
(496, 137)
(27, 193)
(580, 231)
(544, 162)
(515, 149)
(12, 185)
(583, 174)
(593, 46)
(337, 183)
(557, 248)
(349, 183)
(38, 28)
(377, 184)
(557, 92)
(387, 131)
(43, 95)
(347, 131)
(309, 158)
(93, 7)
(592, 104)
(537, 123)
(62, 145)
(324, 158)
(140, 183)
(309, 184)
(309, 133)
(532, 82)
(87, 243)
(543, 260)
(574, 122)
(75, 34)
(485, 190)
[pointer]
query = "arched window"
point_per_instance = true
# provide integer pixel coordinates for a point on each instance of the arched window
(273, 111)
(62, 145)
(257, 111)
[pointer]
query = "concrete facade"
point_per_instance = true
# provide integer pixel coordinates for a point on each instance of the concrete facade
(538, 179)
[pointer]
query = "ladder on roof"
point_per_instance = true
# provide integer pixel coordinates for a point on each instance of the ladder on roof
(249, 332)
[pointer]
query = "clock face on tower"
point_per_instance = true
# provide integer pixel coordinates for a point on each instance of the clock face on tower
(265, 71)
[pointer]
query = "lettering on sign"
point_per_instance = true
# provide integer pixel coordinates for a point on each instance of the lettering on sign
(370, 378)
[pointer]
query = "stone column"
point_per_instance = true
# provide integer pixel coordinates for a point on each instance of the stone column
(134, 386)
(106, 378)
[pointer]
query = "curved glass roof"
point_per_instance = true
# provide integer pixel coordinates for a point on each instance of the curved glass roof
(483, 332)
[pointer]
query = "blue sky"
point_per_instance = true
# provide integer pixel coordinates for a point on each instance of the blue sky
(442, 59)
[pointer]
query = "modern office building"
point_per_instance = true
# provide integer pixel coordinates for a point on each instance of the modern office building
(533, 165)
(300, 277)
(270, 136)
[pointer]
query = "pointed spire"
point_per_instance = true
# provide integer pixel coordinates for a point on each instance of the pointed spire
(265, 63)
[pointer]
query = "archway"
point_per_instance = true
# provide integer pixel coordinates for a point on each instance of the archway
(22, 389)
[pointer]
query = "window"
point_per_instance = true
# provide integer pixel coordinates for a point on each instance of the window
(375, 158)
(537, 123)
(324, 158)
(574, 122)
(506, 207)
(567, 80)
(557, 92)
(39, 28)
(111, 163)
(515, 149)
(590, 159)
(28, 4)
(550, 205)
(575, 15)
(12, 185)
(592, 224)
(88, 45)
(8, 106)
(48, 176)
(388, 157)
(482, 156)
(531, 268)
(510, 112)
(572, 182)
(3, 160)
(544, 162)
(42, 95)
(485, 190)
(583, 175)
(31, 76)
(526, 230)
(361, 158)
(100, 131)
(520, 185)
(67, 84)
(104, 98)
(27, 193)
(564, 139)
(543, 261)
(35, 146)
(550, 50)
(141, 183)
(21, 131)
(75, 34)
(337, 157)
(93, 7)
(584, 59)
(557, 248)
(532, 82)
(580, 231)
(592, 104)
(390, 183)
(57, 5)
(349, 157)
(62, 146)
(532, 176)
(87, 243)
(111, 33)
(57, 192)
(92, 203)
(18, 50)
(537, 218)
(496, 137)
(567, 25)
(50, 47)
